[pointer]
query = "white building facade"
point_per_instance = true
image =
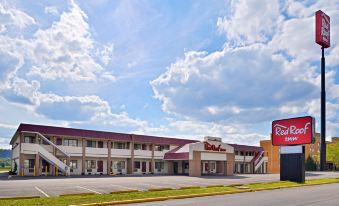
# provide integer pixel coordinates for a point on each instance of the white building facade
(46, 150)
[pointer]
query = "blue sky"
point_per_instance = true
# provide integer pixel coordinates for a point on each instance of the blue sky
(177, 68)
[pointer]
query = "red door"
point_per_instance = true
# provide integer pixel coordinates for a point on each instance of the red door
(143, 167)
(100, 166)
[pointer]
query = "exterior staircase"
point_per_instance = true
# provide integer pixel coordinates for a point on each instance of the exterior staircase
(46, 155)
(258, 160)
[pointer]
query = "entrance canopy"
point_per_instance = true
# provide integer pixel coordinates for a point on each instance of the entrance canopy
(211, 149)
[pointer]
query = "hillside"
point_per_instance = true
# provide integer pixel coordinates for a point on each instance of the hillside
(5, 153)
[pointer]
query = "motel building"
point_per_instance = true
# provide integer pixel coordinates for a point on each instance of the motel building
(46, 150)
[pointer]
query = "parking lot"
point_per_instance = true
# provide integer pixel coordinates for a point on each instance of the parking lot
(54, 186)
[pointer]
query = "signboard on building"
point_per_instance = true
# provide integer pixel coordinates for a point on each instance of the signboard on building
(293, 131)
(322, 29)
(212, 147)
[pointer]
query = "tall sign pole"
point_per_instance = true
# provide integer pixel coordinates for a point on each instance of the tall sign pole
(322, 37)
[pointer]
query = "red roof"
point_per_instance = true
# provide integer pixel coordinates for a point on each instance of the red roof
(246, 148)
(51, 130)
(179, 153)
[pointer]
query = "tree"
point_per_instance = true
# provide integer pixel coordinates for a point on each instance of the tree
(310, 164)
(332, 153)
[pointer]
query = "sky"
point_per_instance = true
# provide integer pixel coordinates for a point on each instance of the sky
(185, 69)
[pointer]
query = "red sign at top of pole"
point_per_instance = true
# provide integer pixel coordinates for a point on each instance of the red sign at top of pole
(294, 131)
(322, 29)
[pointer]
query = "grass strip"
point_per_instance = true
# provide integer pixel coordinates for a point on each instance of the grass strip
(157, 195)
(78, 194)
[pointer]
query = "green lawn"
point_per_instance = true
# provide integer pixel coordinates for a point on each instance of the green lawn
(78, 199)
(5, 169)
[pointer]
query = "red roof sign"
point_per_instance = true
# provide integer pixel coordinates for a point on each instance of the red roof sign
(294, 131)
(322, 29)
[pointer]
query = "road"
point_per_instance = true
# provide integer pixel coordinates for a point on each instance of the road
(54, 186)
(324, 195)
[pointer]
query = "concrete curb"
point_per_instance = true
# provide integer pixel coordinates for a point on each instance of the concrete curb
(17, 198)
(189, 187)
(234, 185)
(159, 189)
(123, 191)
(155, 199)
(209, 186)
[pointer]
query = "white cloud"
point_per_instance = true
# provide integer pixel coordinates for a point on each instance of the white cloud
(106, 53)
(51, 10)
(63, 51)
(254, 83)
(251, 21)
(243, 84)
(10, 16)
(4, 143)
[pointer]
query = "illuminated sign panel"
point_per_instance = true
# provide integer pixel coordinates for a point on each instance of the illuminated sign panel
(294, 131)
(322, 29)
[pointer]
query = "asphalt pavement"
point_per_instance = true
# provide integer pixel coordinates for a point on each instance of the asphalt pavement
(322, 195)
(54, 186)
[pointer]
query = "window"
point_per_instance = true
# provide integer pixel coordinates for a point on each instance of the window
(29, 139)
(242, 153)
(91, 143)
(29, 164)
(120, 145)
(100, 144)
(74, 164)
(137, 146)
(212, 166)
(144, 147)
(71, 142)
(137, 165)
(236, 153)
(121, 165)
(90, 164)
(59, 141)
(161, 147)
(159, 166)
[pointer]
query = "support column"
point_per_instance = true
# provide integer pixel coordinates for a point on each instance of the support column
(152, 160)
(53, 168)
(170, 167)
(230, 157)
(21, 165)
(83, 156)
(220, 167)
(37, 165)
(21, 158)
(132, 156)
(109, 158)
(195, 164)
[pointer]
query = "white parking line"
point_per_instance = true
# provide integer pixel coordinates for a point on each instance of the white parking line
(44, 193)
(89, 190)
